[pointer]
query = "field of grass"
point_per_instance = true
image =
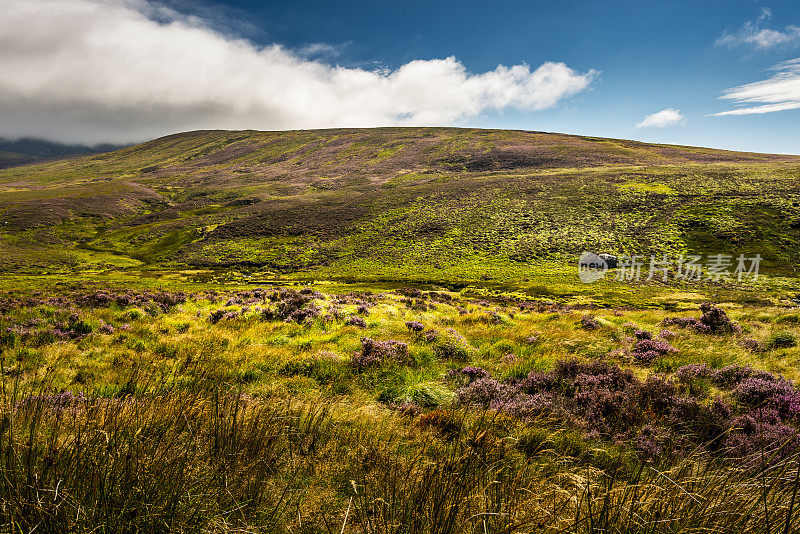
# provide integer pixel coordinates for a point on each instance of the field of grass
(335, 408)
(383, 331)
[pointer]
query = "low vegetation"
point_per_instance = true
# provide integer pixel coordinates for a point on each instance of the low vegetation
(423, 205)
(383, 331)
(271, 409)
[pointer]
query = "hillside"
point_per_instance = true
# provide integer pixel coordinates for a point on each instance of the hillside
(14, 152)
(383, 331)
(41, 148)
(394, 203)
(11, 159)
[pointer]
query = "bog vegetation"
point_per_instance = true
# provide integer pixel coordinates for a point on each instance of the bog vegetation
(382, 331)
(290, 409)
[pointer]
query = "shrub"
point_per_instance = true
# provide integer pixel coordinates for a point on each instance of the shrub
(642, 334)
(374, 353)
(652, 442)
(216, 316)
(646, 350)
(588, 322)
(714, 320)
(430, 335)
(415, 326)
(481, 392)
(756, 391)
(782, 340)
(409, 292)
(762, 433)
(57, 402)
(106, 329)
(652, 415)
(731, 375)
(290, 305)
(355, 320)
(694, 371)
(572, 374)
(335, 312)
(717, 320)
(536, 382)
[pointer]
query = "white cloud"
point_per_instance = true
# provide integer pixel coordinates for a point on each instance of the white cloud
(320, 50)
(780, 92)
(662, 119)
(754, 35)
(123, 70)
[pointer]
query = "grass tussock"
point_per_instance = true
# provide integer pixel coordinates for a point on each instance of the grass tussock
(197, 459)
(267, 410)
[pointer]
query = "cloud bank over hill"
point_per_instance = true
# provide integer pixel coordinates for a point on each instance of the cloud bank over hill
(125, 70)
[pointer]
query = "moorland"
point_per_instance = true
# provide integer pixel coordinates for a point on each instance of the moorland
(383, 330)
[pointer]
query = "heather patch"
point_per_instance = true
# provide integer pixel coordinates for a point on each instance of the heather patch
(57, 402)
(646, 350)
(289, 305)
(466, 375)
(713, 320)
(355, 320)
(376, 353)
(588, 322)
(415, 326)
(657, 415)
(223, 314)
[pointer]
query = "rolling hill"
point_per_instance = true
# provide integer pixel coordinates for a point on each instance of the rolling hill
(12, 159)
(383, 329)
(15, 152)
(394, 203)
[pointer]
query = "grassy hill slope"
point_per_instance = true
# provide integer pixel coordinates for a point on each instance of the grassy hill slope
(395, 203)
(11, 159)
(343, 395)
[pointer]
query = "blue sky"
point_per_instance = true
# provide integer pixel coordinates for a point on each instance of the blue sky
(603, 67)
(651, 56)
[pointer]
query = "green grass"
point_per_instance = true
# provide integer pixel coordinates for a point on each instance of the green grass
(255, 423)
(160, 419)
(395, 203)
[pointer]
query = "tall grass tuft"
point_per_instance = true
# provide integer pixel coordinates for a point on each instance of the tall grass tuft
(200, 458)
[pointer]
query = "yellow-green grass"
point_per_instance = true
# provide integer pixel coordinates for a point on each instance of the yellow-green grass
(167, 445)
